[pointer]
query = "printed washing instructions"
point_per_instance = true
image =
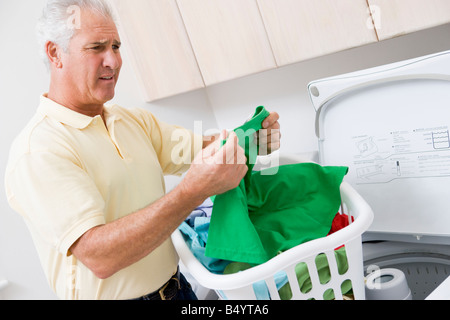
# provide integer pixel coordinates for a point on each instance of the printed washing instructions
(413, 153)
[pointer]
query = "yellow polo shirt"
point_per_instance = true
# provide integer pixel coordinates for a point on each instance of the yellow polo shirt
(68, 173)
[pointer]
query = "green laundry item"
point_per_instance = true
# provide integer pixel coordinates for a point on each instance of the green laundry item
(272, 211)
(246, 135)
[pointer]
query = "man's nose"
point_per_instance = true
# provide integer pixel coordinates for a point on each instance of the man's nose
(112, 59)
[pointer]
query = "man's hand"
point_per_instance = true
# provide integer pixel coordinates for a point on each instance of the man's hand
(268, 138)
(216, 169)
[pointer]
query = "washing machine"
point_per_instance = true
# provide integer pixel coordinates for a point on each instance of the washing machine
(391, 126)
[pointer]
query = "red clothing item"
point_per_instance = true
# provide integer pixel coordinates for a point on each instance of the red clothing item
(340, 221)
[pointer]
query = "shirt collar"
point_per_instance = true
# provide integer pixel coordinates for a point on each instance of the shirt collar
(63, 114)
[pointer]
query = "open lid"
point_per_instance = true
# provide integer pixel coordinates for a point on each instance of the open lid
(390, 125)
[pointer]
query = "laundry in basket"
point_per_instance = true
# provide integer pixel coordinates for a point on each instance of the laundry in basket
(241, 285)
(195, 231)
(271, 213)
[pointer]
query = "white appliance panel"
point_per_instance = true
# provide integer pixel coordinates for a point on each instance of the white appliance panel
(391, 127)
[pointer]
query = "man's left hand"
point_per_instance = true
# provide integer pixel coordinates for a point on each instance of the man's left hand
(269, 135)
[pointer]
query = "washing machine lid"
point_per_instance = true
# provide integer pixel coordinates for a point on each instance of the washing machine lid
(390, 125)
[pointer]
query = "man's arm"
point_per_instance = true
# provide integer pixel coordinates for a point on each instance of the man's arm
(111, 247)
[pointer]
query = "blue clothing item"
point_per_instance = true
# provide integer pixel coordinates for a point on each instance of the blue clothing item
(261, 290)
(196, 237)
(204, 210)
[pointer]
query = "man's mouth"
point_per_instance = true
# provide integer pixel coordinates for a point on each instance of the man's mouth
(107, 78)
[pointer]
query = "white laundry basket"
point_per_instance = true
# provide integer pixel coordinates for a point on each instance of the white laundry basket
(239, 286)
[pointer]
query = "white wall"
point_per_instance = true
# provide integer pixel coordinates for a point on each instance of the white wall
(23, 78)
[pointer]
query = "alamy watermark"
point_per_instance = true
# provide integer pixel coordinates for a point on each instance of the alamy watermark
(74, 20)
(182, 154)
(73, 277)
(374, 20)
(376, 270)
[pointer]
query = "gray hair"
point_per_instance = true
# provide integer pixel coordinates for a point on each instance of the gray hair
(60, 19)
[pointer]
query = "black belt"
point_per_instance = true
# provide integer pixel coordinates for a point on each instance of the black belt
(168, 291)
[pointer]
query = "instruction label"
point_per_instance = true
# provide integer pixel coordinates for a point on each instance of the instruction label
(414, 153)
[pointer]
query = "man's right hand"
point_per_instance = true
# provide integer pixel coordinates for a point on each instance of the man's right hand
(216, 169)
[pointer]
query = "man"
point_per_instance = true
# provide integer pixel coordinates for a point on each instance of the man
(88, 178)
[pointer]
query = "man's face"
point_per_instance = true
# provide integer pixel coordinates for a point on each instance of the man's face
(92, 64)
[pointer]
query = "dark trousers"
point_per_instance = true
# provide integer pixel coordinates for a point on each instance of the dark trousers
(177, 288)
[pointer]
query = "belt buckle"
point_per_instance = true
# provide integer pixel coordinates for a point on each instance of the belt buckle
(161, 291)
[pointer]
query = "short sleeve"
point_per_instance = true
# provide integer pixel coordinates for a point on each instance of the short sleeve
(55, 196)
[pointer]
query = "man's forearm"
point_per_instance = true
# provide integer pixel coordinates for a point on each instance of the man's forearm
(109, 248)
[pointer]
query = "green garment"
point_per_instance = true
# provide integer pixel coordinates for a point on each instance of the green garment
(272, 210)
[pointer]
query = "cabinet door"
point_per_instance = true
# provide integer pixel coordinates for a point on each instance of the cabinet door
(304, 29)
(228, 38)
(160, 51)
(397, 17)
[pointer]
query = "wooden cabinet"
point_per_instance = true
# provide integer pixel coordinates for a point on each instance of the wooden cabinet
(228, 38)
(304, 29)
(154, 35)
(182, 45)
(398, 17)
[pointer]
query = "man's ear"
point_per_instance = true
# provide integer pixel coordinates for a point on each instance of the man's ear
(54, 54)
